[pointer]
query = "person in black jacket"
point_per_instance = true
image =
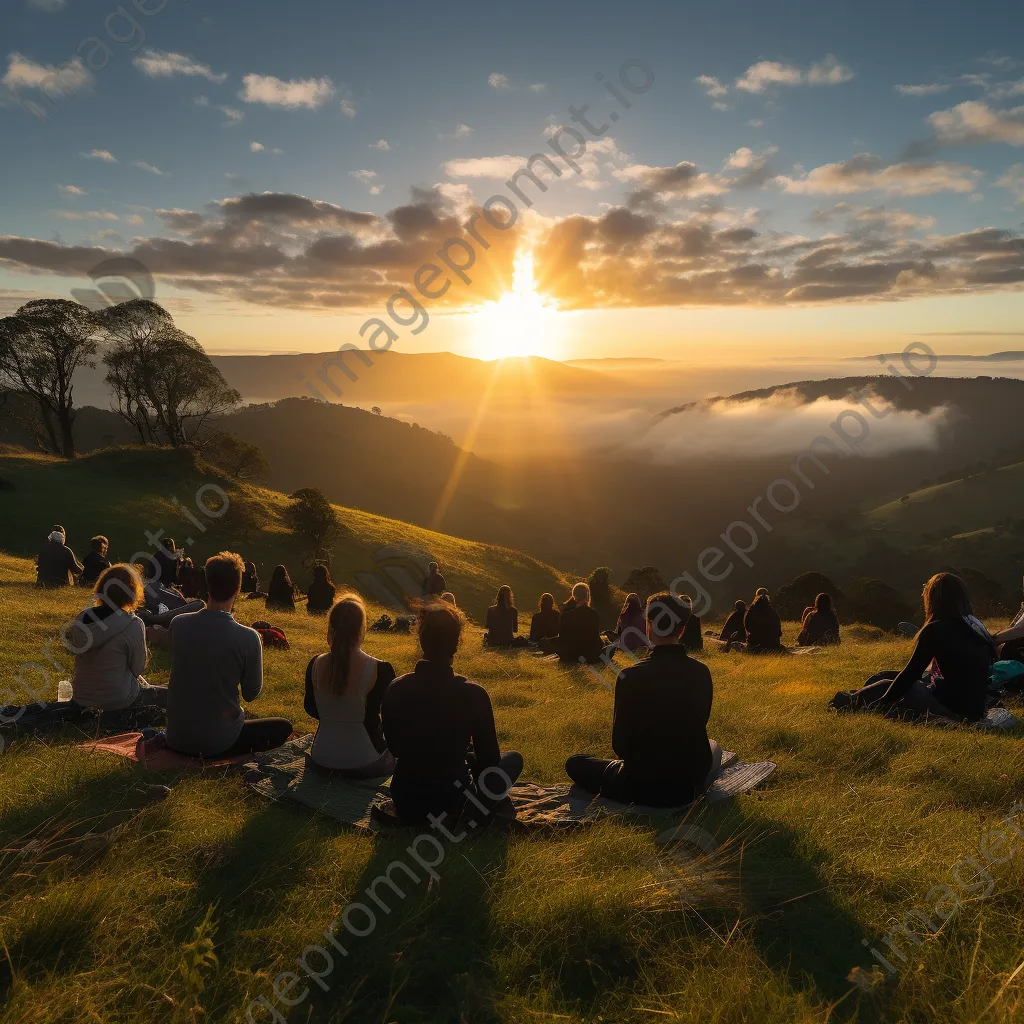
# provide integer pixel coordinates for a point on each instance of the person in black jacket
(56, 565)
(440, 727)
(503, 621)
(692, 638)
(168, 559)
(763, 626)
(320, 593)
(546, 619)
(250, 579)
(955, 646)
(820, 626)
(433, 582)
(95, 563)
(579, 632)
(281, 591)
(734, 631)
(659, 729)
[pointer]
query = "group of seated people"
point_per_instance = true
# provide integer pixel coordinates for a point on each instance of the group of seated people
(758, 629)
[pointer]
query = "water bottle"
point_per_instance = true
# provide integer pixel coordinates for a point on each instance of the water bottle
(64, 690)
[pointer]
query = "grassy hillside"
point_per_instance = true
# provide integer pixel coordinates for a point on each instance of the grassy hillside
(126, 492)
(863, 818)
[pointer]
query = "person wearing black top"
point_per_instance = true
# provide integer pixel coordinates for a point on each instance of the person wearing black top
(168, 560)
(320, 593)
(659, 729)
(56, 565)
(820, 625)
(546, 619)
(579, 631)
(95, 563)
(734, 631)
(440, 727)
(957, 647)
(281, 592)
(763, 626)
(433, 582)
(250, 579)
(503, 621)
(692, 638)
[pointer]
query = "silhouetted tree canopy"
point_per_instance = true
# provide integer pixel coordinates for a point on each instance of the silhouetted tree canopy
(238, 458)
(41, 347)
(793, 597)
(644, 582)
(875, 603)
(313, 518)
(164, 384)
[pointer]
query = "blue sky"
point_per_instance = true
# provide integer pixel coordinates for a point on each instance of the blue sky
(782, 122)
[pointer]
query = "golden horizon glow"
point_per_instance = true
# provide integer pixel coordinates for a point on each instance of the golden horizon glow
(520, 323)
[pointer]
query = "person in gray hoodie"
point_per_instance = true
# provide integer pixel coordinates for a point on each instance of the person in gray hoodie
(108, 641)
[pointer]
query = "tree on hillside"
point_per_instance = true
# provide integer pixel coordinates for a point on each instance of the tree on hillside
(238, 458)
(313, 518)
(793, 597)
(644, 582)
(875, 603)
(164, 384)
(41, 347)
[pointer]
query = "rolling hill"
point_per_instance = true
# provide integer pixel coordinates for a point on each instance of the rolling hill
(128, 492)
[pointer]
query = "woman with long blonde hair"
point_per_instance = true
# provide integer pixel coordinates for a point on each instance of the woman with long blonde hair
(344, 690)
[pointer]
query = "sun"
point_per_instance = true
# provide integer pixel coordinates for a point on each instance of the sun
(521, 323)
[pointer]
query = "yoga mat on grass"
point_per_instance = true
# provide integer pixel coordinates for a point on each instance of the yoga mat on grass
(157, 756)
(287, 773)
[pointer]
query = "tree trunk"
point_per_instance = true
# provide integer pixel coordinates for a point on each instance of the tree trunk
(67, 439)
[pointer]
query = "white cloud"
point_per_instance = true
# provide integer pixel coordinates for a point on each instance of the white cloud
(134, 218)
(684, 180)
(148, 168)
(73, 190)
(462, 130)
(381, 144)
(233, 115)
(201, 101)
(712, 86)
(974, 121)
(498, 81)
(929, 89)
(87, 215)
(1013, 181)
(158, 64)
(867, 173)
(756, 122)
(23, 73)
(1006, 90)
(498, 167)
(348, 108)
(275, 92)
(256, 147)
(368, 178)
(538, 87)
(100, 154)
(758, 77)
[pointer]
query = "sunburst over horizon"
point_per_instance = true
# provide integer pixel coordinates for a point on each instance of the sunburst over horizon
(522, 322)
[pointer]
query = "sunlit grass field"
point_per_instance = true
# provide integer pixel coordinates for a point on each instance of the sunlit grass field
(188, 908)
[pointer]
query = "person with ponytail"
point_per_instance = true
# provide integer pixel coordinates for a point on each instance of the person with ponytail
(344, 690)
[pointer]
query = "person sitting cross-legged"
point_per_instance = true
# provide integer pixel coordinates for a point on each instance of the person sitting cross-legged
(503, 621)
(659, 728)
(212, 658)
(579, 631)
(344, 690)
(108, 641)
(546, 619)
(440, 727)
(95, 562)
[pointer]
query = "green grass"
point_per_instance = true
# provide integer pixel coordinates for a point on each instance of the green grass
(125, 492)
(862, 819)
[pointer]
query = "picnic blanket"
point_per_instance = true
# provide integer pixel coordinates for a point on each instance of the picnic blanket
(288, 774)
(51, 716)
(997, 720)
(155, 754)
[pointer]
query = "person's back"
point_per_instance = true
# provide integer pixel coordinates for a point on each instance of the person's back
(662, 707)
(692, 638)
(213, 657)
(281, 591)
(763, 626)
(114, 656)
(734, 630)
(168, 565)
(579, 634)
(94, 564)
(430, 717)
(56, 564)
(320, 596)
(963, 658)
(433, 583)
(502, 624)
(820, 628)
(545, 624)
(631, 629)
